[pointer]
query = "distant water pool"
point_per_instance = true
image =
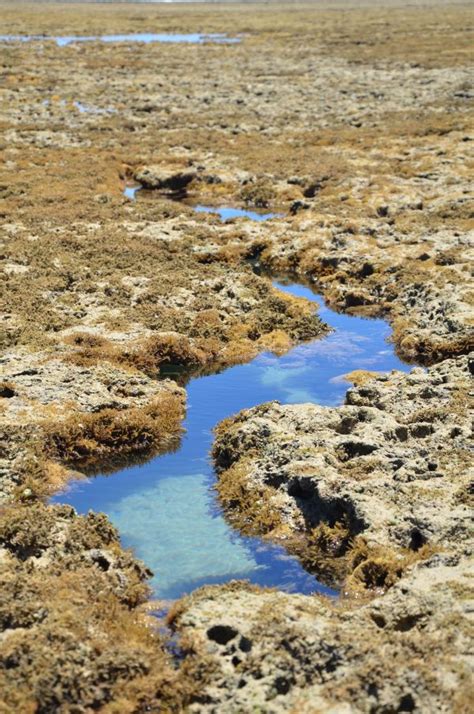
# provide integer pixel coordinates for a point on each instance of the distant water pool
(146, 37)
(165, 510)
(130, 191)
(225, 213)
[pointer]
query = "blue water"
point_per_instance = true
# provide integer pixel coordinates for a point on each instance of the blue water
(166, 511)
(130, 191)
(226, 213)
(146, 37)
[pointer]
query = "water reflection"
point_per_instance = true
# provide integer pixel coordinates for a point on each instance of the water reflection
(226, 213)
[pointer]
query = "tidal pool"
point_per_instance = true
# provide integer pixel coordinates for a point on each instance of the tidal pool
(146, 37)
(224, 212)
(166, 511)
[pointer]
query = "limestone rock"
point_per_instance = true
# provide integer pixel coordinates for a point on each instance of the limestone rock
(165, 177)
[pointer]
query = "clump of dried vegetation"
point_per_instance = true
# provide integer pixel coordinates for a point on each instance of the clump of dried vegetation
(110, 436)
(339, 558)
(258, 192)
(76, 636)
(249, 509)
(145, 355)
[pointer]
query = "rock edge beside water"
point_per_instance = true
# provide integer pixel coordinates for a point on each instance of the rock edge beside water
(408, 498)
(359, 131)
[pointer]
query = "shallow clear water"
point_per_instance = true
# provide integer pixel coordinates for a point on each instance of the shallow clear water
(131, 191)
(165, 510)
(146, 37)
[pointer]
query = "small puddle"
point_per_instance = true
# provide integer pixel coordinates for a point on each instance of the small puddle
(165, 509)
(145, 37)
(130, 191)
(90, 109)
(225, 213)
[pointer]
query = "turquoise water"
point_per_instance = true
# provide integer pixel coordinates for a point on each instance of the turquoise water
(146, 37)
(166, 509)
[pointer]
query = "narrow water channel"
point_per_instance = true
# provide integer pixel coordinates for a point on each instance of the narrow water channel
(166, 509)
(226, 213)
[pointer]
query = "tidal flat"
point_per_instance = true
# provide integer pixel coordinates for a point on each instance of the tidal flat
(169, 210)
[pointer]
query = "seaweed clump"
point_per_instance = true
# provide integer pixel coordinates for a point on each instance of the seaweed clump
(258, 192)
(112, 436)
(75, 636)
(147, 355)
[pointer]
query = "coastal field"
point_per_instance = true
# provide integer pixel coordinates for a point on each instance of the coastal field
(340, 136)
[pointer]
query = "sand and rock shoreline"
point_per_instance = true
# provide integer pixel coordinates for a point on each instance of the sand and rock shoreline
(356, 126)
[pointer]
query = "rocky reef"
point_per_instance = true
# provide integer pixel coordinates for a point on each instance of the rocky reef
(352, 123)
(73, 637)
(390, 468)
(268, 651)
(376, 497)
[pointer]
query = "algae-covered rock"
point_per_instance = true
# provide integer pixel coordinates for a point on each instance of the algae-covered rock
(72, 636)
(165, 177)
(381, 473)
(373, 497)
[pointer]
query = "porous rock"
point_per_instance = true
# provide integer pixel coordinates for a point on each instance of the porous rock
(391, 466)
